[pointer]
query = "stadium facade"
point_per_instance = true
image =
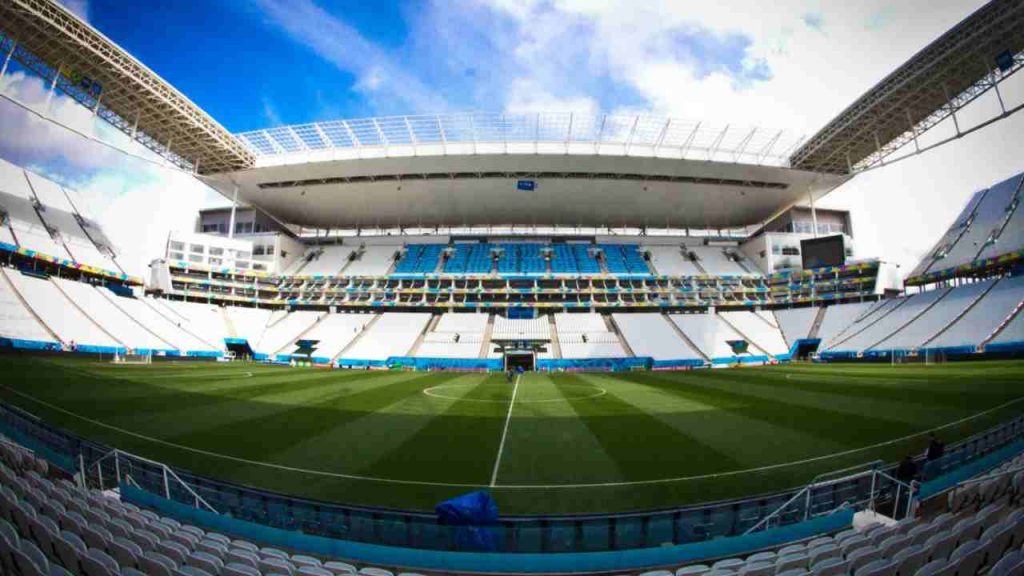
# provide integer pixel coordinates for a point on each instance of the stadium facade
(480, 242)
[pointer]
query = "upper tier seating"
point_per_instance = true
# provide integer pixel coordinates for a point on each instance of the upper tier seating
(987, 231)
(42, 217)
(760, 333)
(586, 336)
(1008, 236)
(670, 261)
(392, 334)
(17, 199)
(327, 260)
(335, 332)
(109, 317)
(59, 214)
(420, 259)
(715, 262)
(650, 334)
(624, 259)
(58, 313)
(796, 323)
(517, 258)
(883, 324)
(16, 321)
(711, 334)
(470, 258)
(374, 261)
(981, 320)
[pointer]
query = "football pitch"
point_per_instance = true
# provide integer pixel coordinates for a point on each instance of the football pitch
(546, 443)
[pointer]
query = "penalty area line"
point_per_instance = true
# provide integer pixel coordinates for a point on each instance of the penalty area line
(504, 433)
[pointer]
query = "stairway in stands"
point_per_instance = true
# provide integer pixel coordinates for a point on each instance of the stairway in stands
(737, 330)
(911, 320)
(485, 346)
(962, 313)
(816, 325)
(613, 327)
(556, 346)
(366, 328)
(682, 336)
(1019, 309)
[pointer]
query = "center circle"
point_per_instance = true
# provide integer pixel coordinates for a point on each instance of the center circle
(583, 392)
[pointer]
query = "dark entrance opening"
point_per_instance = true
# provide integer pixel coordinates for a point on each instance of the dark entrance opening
(517, 360)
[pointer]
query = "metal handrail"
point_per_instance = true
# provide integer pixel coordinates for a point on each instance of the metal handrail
(808, 490)
(165, 470)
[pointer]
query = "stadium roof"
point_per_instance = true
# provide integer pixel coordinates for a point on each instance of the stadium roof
(50, 40)
(491, 187)
(946, 75)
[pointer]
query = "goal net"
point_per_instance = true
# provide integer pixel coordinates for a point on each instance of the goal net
(133, 358)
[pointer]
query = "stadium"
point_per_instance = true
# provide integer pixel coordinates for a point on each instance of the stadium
(505, 343)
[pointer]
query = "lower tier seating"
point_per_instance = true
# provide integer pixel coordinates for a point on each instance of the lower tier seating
(51, 527)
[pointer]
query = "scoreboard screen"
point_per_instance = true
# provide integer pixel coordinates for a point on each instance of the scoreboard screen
(823, 252)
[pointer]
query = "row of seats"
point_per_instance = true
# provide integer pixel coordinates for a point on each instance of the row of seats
(948, 545)
(420, 259)
(53, 528)
(624, 259)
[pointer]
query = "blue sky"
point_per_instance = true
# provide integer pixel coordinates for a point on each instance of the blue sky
(254, 64)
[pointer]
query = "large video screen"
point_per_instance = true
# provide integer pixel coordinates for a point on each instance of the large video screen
(822, 252)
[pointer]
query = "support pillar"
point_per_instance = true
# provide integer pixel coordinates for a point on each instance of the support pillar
(234, 206)
(814, 212)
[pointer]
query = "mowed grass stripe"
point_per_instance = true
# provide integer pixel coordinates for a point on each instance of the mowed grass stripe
(712, 424)
(196, 417)
(359, 443)
(877, 404)
(638, 441)
(334, 406)
(892, 389)
(548, 442)
(458, 445)
(810, 415)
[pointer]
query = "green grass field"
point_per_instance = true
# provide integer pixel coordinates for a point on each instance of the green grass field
(570, 443)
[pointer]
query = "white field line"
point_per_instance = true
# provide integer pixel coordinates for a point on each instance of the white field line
(506, 486)
(504, 433)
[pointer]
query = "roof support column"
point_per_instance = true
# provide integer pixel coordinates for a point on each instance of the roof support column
(814, 212)
(234, 206)
(53, 87)
(7, 59)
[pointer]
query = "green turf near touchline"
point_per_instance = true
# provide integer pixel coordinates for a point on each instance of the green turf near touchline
(588, 442)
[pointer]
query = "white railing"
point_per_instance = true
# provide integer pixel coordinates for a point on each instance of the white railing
(124, 464)
(901, 498)
(533, 133)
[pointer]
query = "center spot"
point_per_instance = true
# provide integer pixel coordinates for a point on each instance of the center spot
(564, 392)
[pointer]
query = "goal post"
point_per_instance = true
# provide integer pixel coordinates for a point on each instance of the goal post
(133, 357)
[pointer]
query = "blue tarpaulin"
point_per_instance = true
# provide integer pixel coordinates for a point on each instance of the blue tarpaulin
(473, 513)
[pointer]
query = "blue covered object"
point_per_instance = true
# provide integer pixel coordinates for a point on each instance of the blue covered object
(473, 513)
